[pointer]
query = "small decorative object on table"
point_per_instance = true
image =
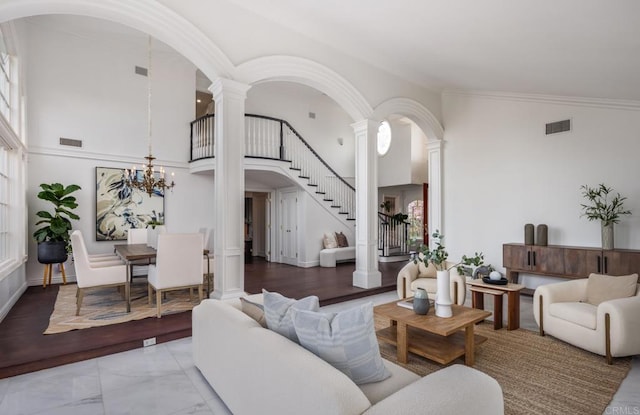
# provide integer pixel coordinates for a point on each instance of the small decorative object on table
(542, 232)
(495, 278)
(420, 302)
(528, 234)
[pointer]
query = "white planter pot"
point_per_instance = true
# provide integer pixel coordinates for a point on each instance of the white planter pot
(152, 235)
(443, 295)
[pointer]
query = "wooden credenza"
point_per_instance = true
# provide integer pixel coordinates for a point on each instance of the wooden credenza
(567, 261)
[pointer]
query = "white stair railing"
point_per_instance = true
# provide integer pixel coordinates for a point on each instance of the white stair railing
(272, 138)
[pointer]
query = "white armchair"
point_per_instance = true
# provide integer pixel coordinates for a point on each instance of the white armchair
(610, 329)
(413, 276)
(94, 274)
(178, 265)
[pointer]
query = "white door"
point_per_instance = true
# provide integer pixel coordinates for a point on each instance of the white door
(288, 228)
(267, 230)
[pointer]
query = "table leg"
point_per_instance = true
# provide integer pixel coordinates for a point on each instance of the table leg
(401, 342)
(513, 310)
(497, 312)
(127, 287)
(477, 300)
(469, 346)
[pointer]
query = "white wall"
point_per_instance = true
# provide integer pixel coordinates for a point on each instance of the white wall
(501, 171)
(87, 89)
(293, 103)
(314, 222)
(11, 288)
(394, 167)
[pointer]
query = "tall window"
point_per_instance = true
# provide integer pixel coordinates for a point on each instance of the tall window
(12, 164)
(415, 213)
(4, 205)
(5, 87)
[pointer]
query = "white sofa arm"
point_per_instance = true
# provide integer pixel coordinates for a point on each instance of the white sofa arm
(455, 389)
(407, 274)
(566, 291)
(625, 325)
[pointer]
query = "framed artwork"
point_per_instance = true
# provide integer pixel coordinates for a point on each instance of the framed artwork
(119, 208)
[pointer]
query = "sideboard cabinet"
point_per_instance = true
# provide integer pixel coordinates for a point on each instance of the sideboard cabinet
(567, 261)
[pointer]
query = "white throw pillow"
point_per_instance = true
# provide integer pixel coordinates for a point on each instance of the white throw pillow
(346, 340)
(329, 240)
(602, 288)
(278, 308)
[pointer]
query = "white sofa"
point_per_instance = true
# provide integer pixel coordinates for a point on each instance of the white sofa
(257, 371)
(329, 256)
(611, 329)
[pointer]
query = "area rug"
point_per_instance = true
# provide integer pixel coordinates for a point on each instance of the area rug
(105, 306)
(538, 375)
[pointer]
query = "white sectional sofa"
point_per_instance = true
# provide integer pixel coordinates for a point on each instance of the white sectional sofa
(257, 371)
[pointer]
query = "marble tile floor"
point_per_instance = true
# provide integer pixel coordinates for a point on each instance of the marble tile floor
(162, 379)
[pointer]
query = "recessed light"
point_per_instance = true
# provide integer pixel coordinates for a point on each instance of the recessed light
(198, 100)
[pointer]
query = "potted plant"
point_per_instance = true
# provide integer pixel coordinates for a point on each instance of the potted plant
(54, 238)
(605, 207)
(438, 257)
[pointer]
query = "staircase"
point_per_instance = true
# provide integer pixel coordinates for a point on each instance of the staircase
(393, 235)
(275, 139)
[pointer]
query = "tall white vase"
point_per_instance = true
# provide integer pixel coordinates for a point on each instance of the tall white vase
(443, 294)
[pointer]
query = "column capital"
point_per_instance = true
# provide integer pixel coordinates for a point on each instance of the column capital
(434, 144)
(365, 125)
(222, 87)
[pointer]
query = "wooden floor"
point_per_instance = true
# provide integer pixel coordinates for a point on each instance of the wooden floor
(23, 347)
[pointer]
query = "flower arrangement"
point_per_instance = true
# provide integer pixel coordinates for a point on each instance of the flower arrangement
(604, 206)
(439, 255)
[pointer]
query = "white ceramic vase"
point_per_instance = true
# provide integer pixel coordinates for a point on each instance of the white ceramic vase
(443, 294)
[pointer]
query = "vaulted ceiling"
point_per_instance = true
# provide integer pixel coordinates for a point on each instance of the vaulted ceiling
(586, 48)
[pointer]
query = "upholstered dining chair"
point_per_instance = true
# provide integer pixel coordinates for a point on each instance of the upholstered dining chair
(178, 265)
(94, 274)
(107, 258)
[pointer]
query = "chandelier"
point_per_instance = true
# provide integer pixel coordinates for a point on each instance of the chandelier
(149, 180)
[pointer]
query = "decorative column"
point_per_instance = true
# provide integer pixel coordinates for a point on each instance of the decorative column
(228, 206)
(434, 157)
(366, 274)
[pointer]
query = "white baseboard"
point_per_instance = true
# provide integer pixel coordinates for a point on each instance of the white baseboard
(12, 301)
(308, 264)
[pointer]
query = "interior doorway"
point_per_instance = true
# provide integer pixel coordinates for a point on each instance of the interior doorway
(256, 225)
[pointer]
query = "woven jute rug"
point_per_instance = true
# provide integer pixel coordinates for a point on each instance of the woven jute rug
(105, 306)
(538, 375)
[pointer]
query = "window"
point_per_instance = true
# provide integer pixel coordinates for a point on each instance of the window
(384, 138)
(415, 211)
(5, 86)
(4, 205)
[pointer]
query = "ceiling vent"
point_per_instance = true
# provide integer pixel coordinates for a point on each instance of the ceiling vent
(70, 142)
(558, 127)
(141, 71)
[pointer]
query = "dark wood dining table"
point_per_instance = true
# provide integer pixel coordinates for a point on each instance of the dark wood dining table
(131, 253)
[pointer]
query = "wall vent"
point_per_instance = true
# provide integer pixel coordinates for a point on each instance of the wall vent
(312, 115)
(70, 142)
(141, 71)
(558, 127)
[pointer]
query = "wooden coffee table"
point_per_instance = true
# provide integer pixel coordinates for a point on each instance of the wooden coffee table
(439, 339)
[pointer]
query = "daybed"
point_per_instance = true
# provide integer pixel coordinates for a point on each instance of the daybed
(330, 256)
(257, 371)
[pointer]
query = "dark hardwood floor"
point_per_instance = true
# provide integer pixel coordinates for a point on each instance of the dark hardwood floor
(23, 347)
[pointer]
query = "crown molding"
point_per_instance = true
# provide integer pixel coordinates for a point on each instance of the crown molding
(620, 104)
(102, 157)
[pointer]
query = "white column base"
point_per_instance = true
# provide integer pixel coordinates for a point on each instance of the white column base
(367, 279)
(227, 295)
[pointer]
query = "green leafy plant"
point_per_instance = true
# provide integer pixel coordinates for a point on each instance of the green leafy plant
(386, 206)
(57, 225)
(439, 255)
(603, 204)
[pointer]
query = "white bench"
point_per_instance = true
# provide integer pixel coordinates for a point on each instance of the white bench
(329, 256)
